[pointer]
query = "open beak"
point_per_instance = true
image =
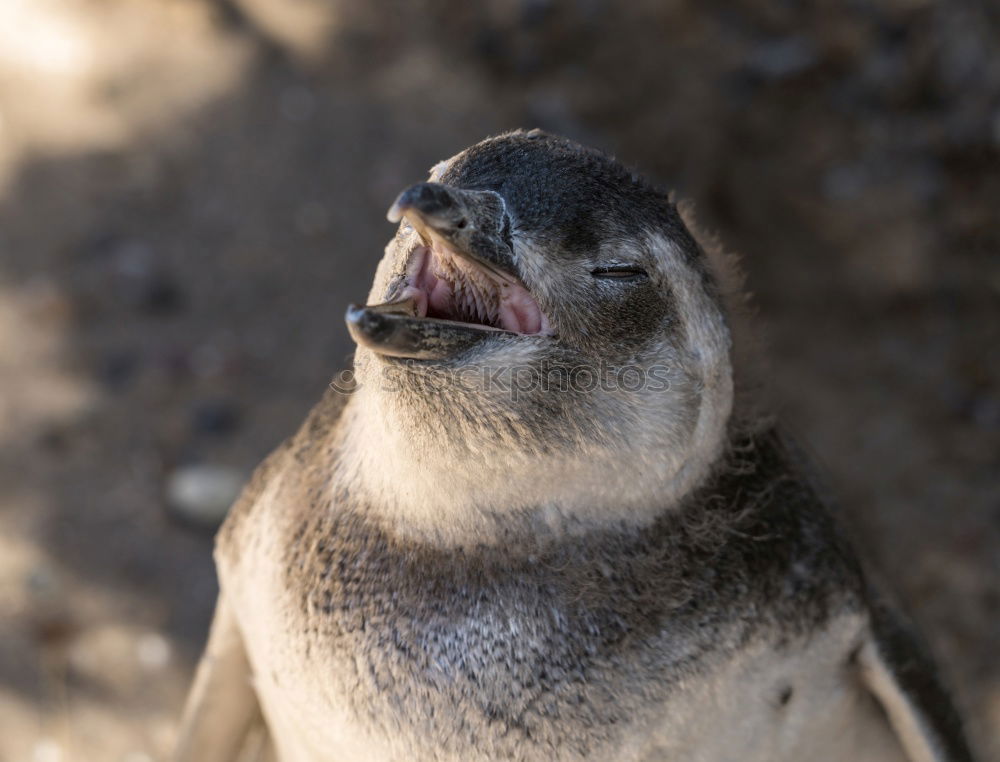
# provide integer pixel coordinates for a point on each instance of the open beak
(462, 283)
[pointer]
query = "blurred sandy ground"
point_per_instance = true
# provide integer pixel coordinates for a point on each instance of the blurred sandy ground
(191, 191)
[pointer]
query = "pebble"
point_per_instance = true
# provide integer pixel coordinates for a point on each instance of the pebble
(202, 494)
(153, 651)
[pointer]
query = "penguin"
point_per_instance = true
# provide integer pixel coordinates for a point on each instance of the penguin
(539, 522)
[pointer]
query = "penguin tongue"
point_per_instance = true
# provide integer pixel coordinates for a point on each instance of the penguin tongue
(519, 312)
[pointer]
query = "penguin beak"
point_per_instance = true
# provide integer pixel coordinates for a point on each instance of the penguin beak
(462, 283)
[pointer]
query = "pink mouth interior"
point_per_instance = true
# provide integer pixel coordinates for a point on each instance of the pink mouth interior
(449, 286)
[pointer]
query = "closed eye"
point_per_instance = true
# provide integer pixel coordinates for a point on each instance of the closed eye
(620, 272)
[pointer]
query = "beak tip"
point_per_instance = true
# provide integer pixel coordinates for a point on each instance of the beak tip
(395, 213)
(366, 326)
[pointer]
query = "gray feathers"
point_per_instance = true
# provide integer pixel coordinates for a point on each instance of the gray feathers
(433, 571)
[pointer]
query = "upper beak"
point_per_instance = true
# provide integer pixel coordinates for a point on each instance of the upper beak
(471, 223)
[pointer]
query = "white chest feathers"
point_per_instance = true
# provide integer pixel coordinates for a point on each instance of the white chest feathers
(380, 658)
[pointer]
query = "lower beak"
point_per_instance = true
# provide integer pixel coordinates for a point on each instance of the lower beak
(393, 330)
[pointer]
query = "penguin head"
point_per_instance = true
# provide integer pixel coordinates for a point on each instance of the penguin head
(527, 237)
(540, 300)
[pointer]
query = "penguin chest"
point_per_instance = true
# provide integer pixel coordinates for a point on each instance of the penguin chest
(366, 650)
(411, 666)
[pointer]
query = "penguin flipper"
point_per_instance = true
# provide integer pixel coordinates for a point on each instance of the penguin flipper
(898, 672)
(222, 712)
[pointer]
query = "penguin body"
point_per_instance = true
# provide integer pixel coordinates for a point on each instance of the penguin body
(472, 554)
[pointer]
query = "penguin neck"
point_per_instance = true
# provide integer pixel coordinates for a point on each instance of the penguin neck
(459, 490)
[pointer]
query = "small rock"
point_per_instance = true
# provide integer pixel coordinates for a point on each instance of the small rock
(153, 651)
(202, 494)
